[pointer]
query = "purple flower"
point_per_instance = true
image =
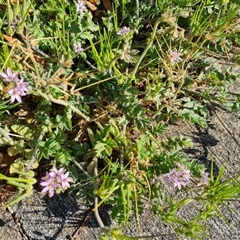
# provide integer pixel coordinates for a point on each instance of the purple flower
(56, 173)
(9, 76)
(81, 7)
(123, 31)
(204, 179)
(175, 56)
(23, 86)
(66, 180)
(180, 176)
(186, 175)
(21, 89)
(15, 94)
(55, 180)
(78, 47)
(49, 184)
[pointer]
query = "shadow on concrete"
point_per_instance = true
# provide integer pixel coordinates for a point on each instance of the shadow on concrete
(59, 217)
(201, 155)
(2, 223)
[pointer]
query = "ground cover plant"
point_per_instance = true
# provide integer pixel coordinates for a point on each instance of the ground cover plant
(88, 89)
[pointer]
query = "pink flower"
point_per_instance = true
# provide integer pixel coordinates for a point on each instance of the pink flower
(9, 76)
(175, 56)
(123, 31)
(180, 177)
(55, 180)
(66, 180)
(78, 47)
(57, 174)
(15, 94)
(23, 86)
(81, 7)
(49, 184)
(20, 90)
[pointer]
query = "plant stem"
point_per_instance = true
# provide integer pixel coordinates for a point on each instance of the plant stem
(146, 49)
(5, 134)
(96, 213)
(82, 169)
(50, 98)
(34, 158)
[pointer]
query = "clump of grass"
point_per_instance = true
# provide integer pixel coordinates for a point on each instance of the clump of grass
(92, 92)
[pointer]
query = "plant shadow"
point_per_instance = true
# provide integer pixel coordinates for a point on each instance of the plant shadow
(62, 215)
(201, 154)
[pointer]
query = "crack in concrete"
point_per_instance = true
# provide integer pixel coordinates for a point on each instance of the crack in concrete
(17, 221)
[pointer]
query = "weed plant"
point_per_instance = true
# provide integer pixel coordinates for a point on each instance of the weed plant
(90, 90)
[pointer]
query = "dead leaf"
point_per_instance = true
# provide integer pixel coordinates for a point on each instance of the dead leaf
(90, 167)
(3, 7)
(90, 5)
(107, 4)
(13, 41)
(6, 160)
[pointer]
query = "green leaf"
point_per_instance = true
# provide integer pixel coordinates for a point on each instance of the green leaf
(64, 157)
(143, 147)
(102, 150)
(23, 131)
(18, 148)
(17, 165)
(53, 146)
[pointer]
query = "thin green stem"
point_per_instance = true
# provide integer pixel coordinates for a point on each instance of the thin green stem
(34, 155)
(50, 98)
(82, 169)
(5, 134)
(96, 213)
(146, 49)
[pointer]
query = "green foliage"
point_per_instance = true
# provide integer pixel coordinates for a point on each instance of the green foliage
(24, 183)
(102, 112)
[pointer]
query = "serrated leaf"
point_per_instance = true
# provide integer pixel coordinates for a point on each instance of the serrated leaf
(64, 157)
(54, 146)
(16, 149)
(28, 155)
(102, 150)
(23, 131)
(18, 165)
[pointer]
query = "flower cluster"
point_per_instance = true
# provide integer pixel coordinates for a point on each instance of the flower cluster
(20, 89)
(123, 31)
(179, 176)
(78, 47)
(81, 7)
(55, 180)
